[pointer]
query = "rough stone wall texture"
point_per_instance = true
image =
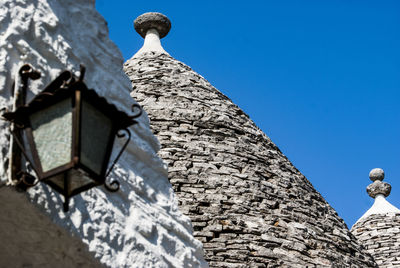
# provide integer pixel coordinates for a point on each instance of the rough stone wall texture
(29, 238)
(380, 235)
(140, 225)
(249, 205)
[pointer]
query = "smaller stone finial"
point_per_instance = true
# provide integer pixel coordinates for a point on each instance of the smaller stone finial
(379, 191)
(377, 174)
(152, 20)
(378, 187)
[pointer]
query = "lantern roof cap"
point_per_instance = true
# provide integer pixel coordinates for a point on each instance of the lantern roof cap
(58, 89)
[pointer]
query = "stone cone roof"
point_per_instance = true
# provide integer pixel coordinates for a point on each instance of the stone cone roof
(378, 230)
(248, 204)
(380, 235)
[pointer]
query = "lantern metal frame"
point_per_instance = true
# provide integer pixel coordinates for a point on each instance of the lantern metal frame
(65, 86)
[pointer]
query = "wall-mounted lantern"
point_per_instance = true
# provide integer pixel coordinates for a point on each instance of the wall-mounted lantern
(69, 130)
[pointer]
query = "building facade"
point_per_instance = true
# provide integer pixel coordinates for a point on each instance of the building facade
(138, 226)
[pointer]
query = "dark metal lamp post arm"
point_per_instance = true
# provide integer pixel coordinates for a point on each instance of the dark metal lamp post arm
(17, 176)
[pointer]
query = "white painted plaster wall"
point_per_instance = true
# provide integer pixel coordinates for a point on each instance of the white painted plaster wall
(29, 238)
(139, 226)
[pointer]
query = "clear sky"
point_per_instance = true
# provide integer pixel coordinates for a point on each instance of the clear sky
(320, 78)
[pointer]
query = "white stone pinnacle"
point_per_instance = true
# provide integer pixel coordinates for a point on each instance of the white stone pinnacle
(152, 27)
(152, 42)
(380, 206)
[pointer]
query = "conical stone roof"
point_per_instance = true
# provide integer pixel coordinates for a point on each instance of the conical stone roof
(248, 204)
(378, 230)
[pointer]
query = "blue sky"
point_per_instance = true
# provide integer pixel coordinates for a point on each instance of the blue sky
(320, 78)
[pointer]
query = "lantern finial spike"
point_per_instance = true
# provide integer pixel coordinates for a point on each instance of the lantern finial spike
(82, 72)
(66, 204)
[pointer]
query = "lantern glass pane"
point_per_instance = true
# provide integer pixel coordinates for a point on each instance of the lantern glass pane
(52, 132)
(95, 135)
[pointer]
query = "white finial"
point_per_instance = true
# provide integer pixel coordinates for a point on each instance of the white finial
(379, 191)
(152, 27)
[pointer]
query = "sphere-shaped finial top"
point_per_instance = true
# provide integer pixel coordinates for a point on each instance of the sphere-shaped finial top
(377, 174)
(152, 20)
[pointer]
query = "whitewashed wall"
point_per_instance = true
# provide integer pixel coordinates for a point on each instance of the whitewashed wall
(29, 238)
(140, 225)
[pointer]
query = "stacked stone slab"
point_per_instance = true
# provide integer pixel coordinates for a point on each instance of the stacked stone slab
(248, 204)
(380, 235)
(379, 229)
